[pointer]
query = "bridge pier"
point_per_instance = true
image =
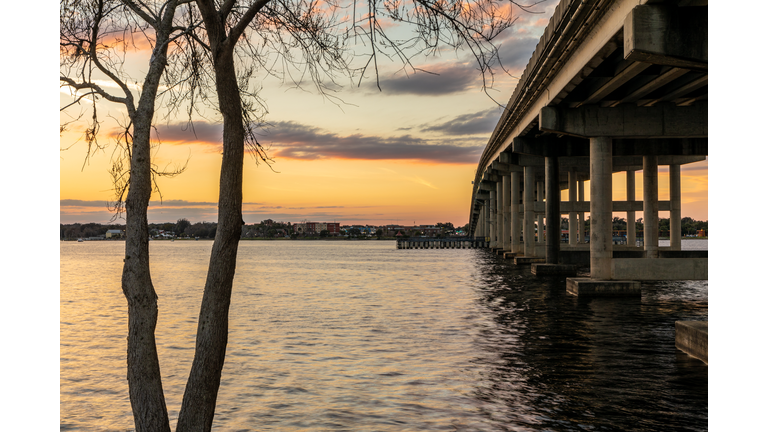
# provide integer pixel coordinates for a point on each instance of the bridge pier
(631, 218)
(528, 221)
(675, 213)
(506, 221)
(582, 223)
(552, 206)
(651, 206)
(516, 247)
(492, 219)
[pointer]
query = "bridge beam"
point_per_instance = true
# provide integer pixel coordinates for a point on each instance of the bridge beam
(665, 35)
(627, 121)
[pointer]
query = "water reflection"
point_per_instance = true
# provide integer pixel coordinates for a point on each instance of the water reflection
(567, 363)
(362, 336)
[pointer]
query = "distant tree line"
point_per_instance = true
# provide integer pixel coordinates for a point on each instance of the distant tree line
(183, 228)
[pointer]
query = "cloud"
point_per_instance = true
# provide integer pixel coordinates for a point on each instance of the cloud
(439, 80)
(479, 123)
(515, 51)
(82, 203)
(297, 141)
(185, 133)
(293, 140)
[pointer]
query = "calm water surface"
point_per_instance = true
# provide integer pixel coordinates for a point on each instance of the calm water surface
(361, 336)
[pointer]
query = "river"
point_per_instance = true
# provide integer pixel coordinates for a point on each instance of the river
(361, 336)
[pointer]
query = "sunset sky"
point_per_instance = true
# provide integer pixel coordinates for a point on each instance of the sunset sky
(403, 155)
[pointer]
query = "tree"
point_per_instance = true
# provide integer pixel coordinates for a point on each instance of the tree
(181, 226)
(311, 36)
(89, 51)
(379, 233)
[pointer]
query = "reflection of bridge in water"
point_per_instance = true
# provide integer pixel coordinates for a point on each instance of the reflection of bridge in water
(613, 86)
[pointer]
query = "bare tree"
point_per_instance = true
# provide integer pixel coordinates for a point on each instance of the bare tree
(307, 33)
(94, 35)
(314, 41)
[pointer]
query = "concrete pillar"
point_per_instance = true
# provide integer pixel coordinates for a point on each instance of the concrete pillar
(675, 208)
(582, 223)
(492, 219)
(480, 221)
(572, 223)
(499, 216)
(651, 206)
(631, 218)
(552, 180)
(516, 222)
(487, 219)
(540, 216)
(528, 221)
(600, 208)
(505, 219)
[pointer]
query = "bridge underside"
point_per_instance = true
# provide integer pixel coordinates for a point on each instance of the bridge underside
(613, 86)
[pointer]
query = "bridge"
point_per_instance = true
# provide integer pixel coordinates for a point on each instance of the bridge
(613, 86)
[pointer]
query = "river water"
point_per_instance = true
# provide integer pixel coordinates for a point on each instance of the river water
(361, 336)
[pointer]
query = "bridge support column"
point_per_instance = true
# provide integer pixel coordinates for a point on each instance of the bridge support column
(528, 221)
(492, 220)
(552, 177)
(479, 231)
(505, 219)
(499, 216)
(631, 218)
(573, 237)
(487, 219)
(651, 206)
(540, 216)
(675, 208)
(600, 208)
(582, 222)
(516, 223)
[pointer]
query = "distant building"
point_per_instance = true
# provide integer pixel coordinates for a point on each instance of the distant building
(314, 228)
(114, 234)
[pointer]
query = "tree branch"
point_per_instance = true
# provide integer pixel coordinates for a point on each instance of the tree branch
(96, 89)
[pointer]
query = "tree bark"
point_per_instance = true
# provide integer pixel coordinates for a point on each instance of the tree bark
(199, 403)
(144, 380)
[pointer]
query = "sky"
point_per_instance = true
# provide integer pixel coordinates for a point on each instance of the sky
(405, 154)
(32, 209)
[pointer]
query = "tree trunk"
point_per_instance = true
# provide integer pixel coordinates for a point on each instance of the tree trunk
(144, 381)
(199, 403)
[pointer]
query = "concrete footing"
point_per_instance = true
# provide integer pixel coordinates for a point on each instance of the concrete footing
(522, 260)
(586, 287)
(554, 269)
(510, 255)
(691, 337)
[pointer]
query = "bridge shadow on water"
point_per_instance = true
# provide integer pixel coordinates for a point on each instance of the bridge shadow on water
(567, 363)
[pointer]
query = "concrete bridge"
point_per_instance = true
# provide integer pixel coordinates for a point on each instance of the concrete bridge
(613, 86)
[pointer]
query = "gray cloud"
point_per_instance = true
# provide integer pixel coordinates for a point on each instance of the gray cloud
(515, 51)
(479, 123)
(82, 203)
(297, 141)
(443, 79)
